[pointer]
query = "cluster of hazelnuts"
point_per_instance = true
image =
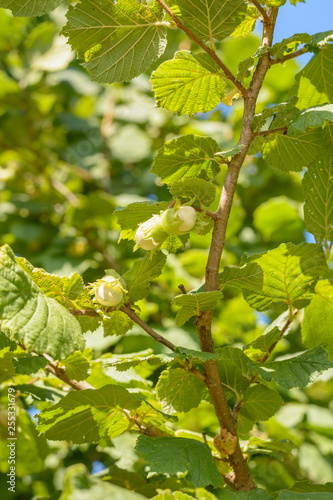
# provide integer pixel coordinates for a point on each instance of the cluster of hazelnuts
(149, 235)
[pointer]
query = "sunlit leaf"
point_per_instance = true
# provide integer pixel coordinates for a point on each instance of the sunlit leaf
(117, 40)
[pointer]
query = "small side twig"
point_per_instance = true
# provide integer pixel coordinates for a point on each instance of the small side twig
(292, 55)
(60, 373)
(182, 289)
(156, 336)
(271, 131)
(262, 11)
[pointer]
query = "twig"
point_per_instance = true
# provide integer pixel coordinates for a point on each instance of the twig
(261, 10)
(271, 131)
(292, 55)
(60, 372)
(156, 336)
(182, 289)
(201, 44)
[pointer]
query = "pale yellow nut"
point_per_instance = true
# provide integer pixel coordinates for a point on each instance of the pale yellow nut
(188, 215)
(110, 293)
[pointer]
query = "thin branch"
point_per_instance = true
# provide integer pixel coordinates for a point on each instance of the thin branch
(156, 336)
(261, 10)
(201, 44)
(292, 55)
(271, 131)
(60, 372)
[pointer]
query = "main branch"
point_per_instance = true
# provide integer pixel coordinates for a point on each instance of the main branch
(242, 480)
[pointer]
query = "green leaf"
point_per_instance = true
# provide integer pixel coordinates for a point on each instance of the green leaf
(314, 83)
(287, 226)
(180, 455)
(143, 271)
(172, 495)
(179, 390)
(260, 403)
(79, 484)
(293, 152)
(232, 378)
(193, 356)
(237, 357)
(187, 156)
(118, 324)
(201, 193)
(307, 487)
(5, 341)
(319, 40)
(297, 370)
(131, 216)
(7, 369)
(258, 494)
(89, 415)
(290, 495)
(288, 45)
(248, 24)
(264, 342)
(215, 19)
(40, 393)
(318, 318)
(247, 277)
(77, 366)
(30, 7)
(118, 40)
(318, 193)
(290, 273)
(189, 83)
(260, 119)
(316, 116)
(26, 363)
(63, 288)
(230, 153)
(39, 322)
(192, 303)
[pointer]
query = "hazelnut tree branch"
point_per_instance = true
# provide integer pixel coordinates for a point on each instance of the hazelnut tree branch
(156, 336)
(60, 372)
(242, 480)
(204, 47)
(272, 131)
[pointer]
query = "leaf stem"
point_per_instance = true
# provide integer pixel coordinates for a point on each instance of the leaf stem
(207, 49)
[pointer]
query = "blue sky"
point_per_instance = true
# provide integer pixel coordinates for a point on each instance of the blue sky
(310, 17)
